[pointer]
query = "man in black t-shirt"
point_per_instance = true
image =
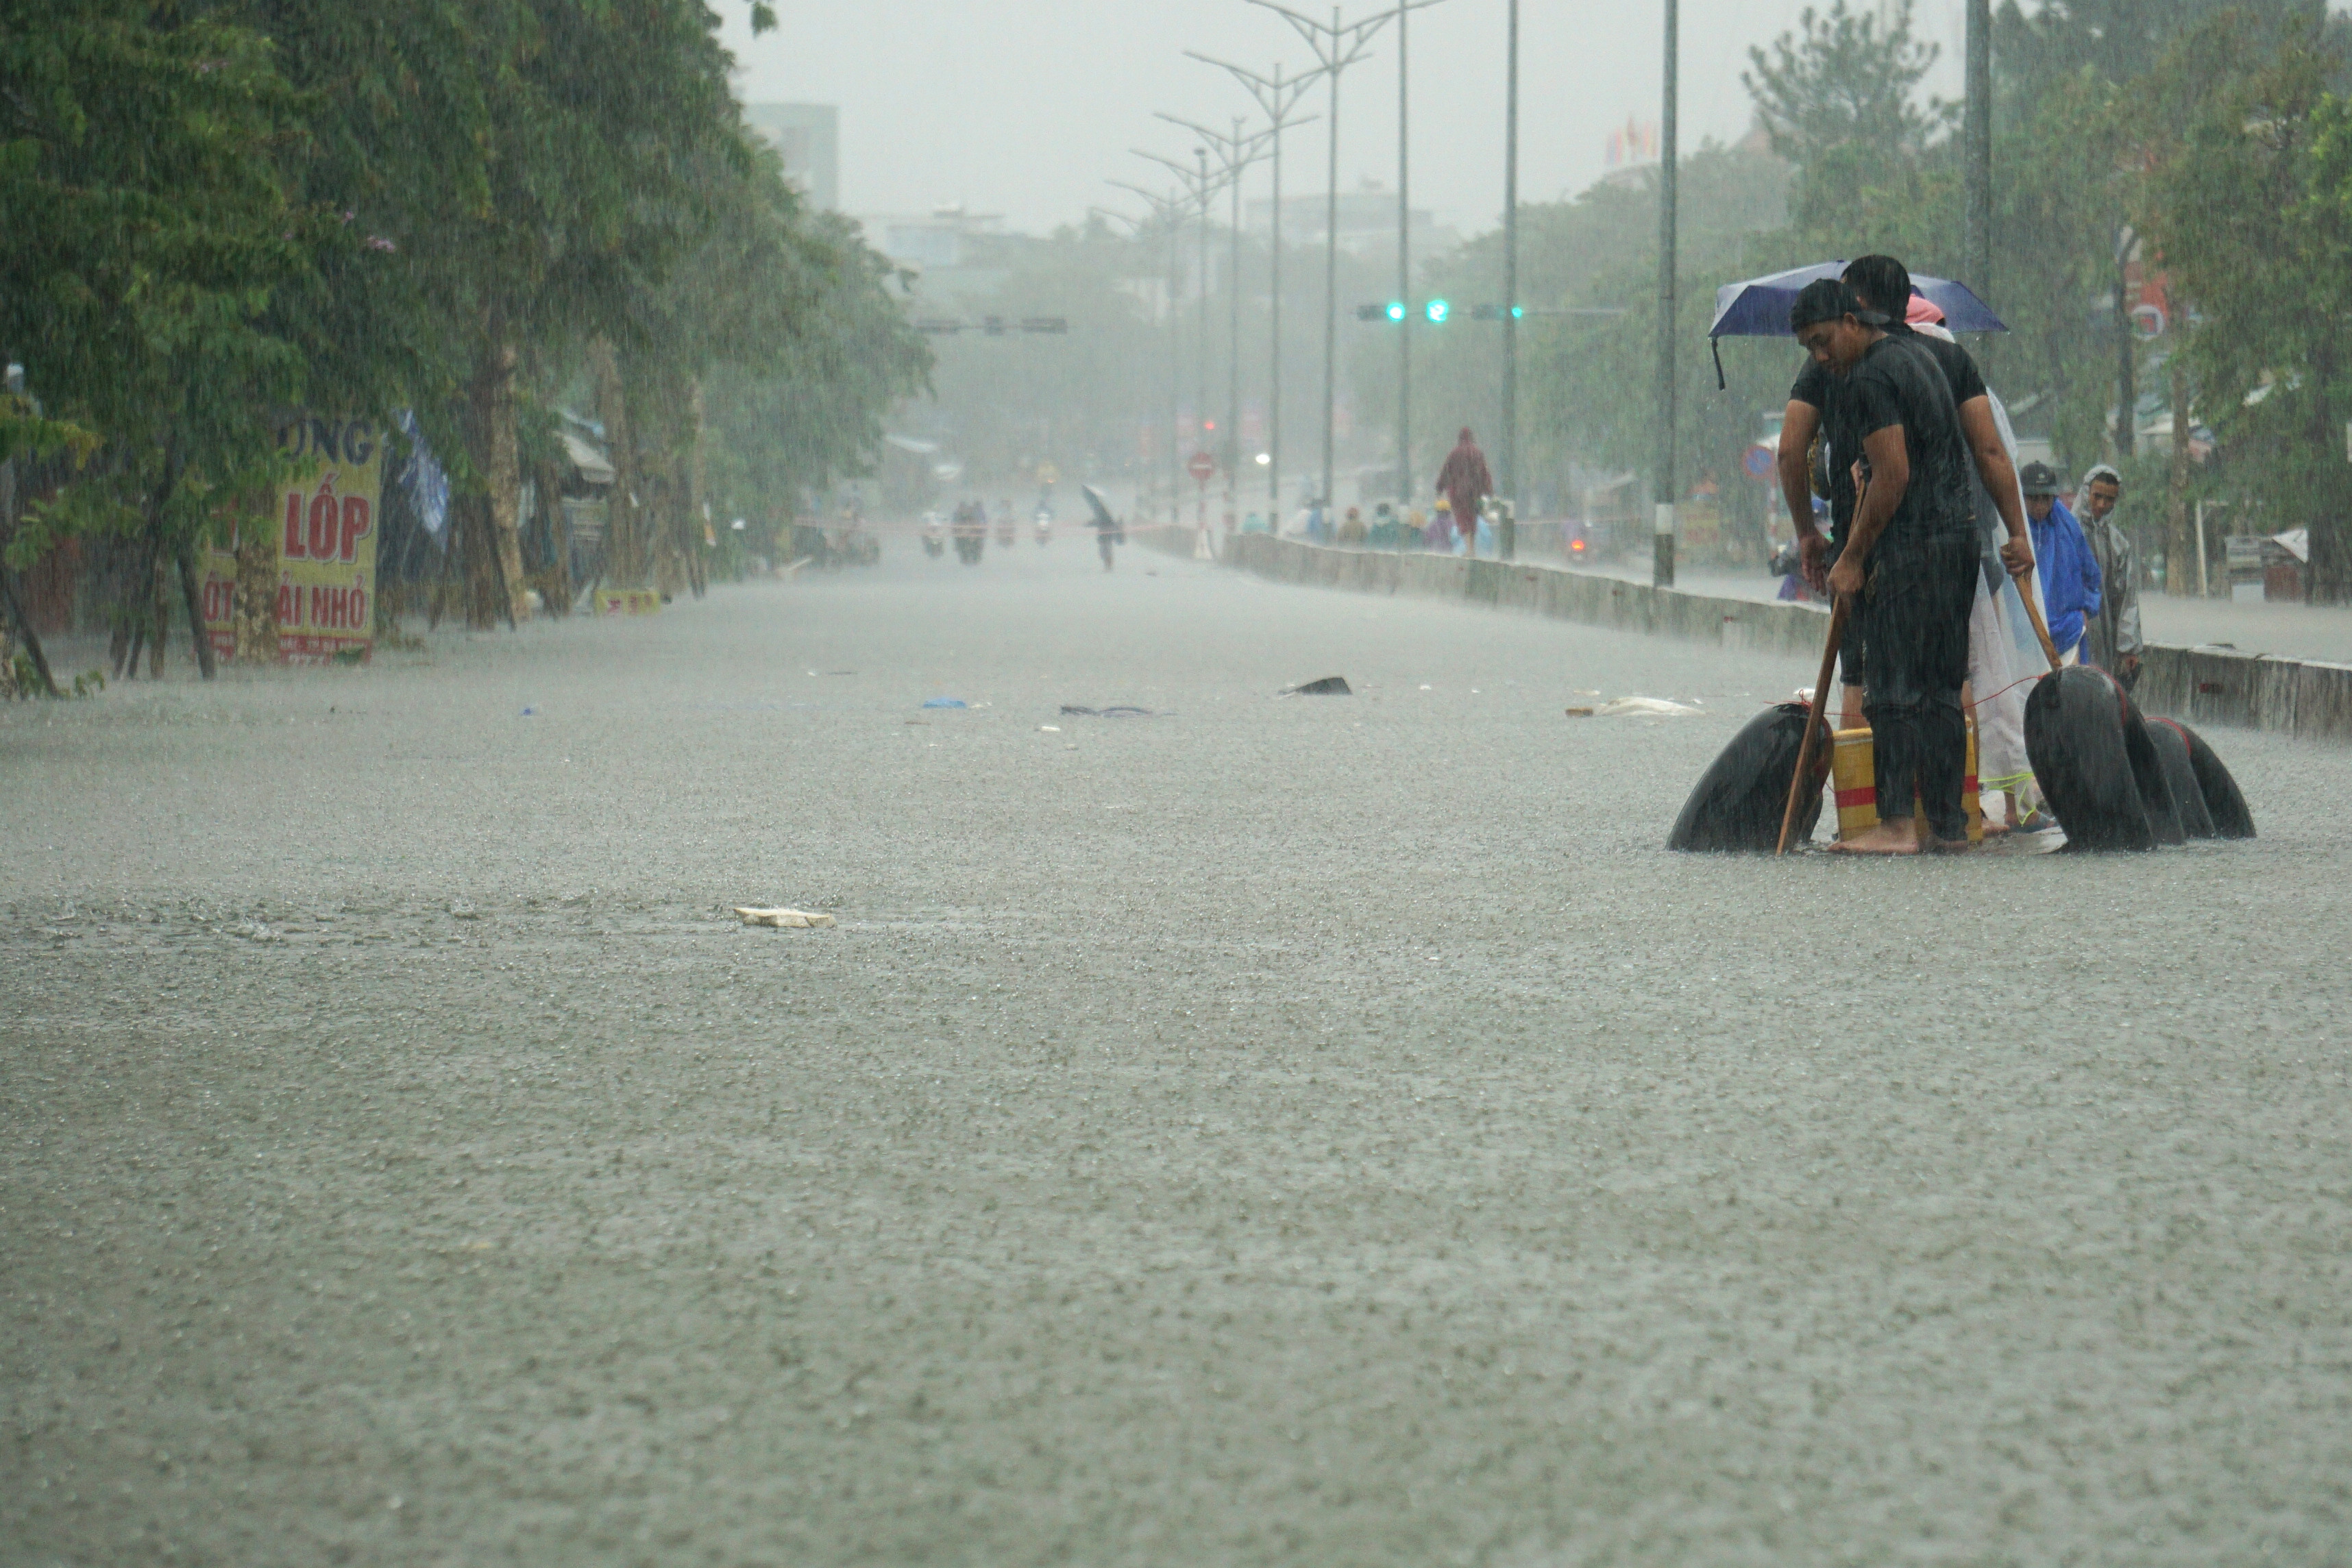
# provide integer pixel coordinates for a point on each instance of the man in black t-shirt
(1908, 565)
(1883, 284)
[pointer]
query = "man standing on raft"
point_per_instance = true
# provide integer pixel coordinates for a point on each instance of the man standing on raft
(1908, 567)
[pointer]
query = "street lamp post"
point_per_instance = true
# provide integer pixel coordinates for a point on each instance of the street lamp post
(1277, 97)
(1663, 551)
(1167, 211)
(1235, 152)
(1337, 45)
(1405, 269)
(1202, 187)
(1201, 408)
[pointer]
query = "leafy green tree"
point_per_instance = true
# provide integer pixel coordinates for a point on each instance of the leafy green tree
(152, 238)
(2249, 202)
(1839, 97)
(834, 354)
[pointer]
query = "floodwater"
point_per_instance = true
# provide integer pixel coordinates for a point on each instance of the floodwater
(1308, 1130)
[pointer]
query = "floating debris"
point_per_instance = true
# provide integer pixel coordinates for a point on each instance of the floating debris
(784, 919)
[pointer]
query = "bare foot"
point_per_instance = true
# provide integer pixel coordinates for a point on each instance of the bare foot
(1887, 838)
(1935, 845)
(1994, 827)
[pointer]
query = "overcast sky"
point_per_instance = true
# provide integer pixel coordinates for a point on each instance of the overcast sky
(1026, 106)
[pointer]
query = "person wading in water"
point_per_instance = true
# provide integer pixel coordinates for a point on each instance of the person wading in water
(1909, 565)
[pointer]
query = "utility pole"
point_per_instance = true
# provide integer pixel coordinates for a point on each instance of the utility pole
(1663, 544)
(1235, 152)
(1336, 45)
(1277, 98)
(1507, 532)
(1975, 140)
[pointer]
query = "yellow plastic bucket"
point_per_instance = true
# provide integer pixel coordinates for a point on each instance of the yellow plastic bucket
(1855, 778)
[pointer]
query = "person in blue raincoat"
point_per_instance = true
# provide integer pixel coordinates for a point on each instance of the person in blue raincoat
(2070, 573)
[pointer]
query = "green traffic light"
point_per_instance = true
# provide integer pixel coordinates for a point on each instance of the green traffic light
(1438, 310)
(1396, 309)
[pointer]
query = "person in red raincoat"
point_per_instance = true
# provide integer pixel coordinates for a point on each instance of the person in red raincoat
(1465, 484)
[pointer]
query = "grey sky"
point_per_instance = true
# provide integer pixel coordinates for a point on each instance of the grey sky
(1025, 107)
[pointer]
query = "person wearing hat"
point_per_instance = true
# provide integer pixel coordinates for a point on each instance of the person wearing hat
(2111, 638)
(1909, 565)
(2070, 573)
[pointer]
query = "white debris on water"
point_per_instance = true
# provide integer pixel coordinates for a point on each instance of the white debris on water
(1644, 708)
(784, 919)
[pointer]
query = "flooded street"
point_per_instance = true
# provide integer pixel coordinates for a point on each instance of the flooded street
(1303, 1131)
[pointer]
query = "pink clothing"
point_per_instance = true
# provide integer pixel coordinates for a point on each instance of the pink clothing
(1464, 482)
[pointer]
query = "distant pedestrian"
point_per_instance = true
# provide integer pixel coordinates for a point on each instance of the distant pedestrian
(2110, 639)
(2070, 571)
(1352, 528)
(1107, 533)
(1465, 484)
(1441, 528)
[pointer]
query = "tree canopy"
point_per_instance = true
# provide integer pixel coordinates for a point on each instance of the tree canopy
(224, 212)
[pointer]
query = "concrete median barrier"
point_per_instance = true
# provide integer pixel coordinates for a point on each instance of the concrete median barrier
(2201, 685)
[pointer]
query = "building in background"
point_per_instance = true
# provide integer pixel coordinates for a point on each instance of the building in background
(955, 255)
(1367, 222)
(809, 137)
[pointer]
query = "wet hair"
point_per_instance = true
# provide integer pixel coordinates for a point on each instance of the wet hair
(1882, 280)
(1822, 299)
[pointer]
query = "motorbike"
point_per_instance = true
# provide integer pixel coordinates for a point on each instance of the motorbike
(1044, 527)
(971, 533)
(935, 535)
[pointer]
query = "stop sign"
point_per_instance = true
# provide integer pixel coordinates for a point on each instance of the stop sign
(1200, 466)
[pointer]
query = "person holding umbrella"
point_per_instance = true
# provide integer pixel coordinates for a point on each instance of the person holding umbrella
(1108, 530)
(1883, 284)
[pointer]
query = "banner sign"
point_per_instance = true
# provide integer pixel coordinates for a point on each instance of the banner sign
(627, 602)
(322, 524)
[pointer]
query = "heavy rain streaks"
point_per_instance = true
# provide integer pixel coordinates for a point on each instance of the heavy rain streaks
(1273, 1127)
(787, 784)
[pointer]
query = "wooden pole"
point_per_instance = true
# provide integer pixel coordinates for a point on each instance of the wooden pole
(1838, 614)
(2033, 613)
